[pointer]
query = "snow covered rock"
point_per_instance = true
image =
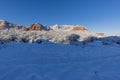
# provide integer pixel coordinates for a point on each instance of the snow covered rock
(6, 25)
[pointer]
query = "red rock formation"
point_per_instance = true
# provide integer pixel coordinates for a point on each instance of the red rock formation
(79, 28)
(36, 26)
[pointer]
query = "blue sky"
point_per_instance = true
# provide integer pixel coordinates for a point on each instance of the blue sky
(97, 15)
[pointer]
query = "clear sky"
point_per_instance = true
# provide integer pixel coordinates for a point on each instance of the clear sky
(97, 15)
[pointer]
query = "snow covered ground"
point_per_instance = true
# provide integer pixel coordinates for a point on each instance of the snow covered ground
(48, 61)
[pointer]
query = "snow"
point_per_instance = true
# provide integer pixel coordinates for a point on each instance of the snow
(49, 61)
(58, 54)
(59, 36)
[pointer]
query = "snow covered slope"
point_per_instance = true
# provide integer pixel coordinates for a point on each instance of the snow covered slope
(48, 61)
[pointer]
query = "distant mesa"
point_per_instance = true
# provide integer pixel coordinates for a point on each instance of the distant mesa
(38, 27)
(69, 27)
(100, 34)
(7, 25)
(82, 28)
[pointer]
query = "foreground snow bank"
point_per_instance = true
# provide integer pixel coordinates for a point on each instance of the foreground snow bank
(19, 61)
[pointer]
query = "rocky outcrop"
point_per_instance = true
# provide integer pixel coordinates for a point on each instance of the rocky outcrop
(36, 26)
(7, 25)
(81, 28)
(39, 27)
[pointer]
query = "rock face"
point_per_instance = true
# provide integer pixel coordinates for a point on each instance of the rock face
(79, 28)
(39, 27)
(7, 25)
(36, 26)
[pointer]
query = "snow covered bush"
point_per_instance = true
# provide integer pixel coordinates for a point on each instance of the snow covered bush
(74, 37)
(111, 40)
(55, 35)
(90, 39)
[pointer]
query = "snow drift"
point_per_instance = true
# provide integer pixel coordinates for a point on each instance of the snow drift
(49, 61)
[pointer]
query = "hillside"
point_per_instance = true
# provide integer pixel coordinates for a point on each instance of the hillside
(59, 52)
(36, 32)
